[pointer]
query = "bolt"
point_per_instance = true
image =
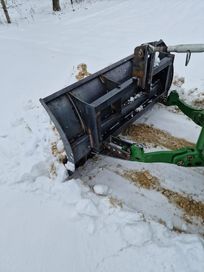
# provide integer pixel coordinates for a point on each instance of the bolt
(140, 53)
(180, 163)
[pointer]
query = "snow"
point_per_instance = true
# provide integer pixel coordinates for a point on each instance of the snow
(70, 166)
(97, 220)
(140, 108)
(157, 59)
(133, 98)
(101, 189)
(60, 146)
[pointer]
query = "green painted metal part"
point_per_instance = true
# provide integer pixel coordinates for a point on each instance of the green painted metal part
(187, 156)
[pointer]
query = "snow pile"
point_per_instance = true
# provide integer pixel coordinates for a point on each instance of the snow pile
(193, 96)
(101, 189)
(52, 232)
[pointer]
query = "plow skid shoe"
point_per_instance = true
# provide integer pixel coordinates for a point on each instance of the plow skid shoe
(91, 110)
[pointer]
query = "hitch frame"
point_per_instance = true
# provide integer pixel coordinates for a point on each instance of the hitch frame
(188, 156)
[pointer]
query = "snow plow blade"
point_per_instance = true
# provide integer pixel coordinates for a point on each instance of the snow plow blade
(90, 111)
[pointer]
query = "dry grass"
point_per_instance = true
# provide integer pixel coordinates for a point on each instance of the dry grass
(145, 180)
(53, 171)
(189, 205)
(199, 103)
(82, 71)
(142, 133)
(54, 149)
(115, 202)
(60, 155)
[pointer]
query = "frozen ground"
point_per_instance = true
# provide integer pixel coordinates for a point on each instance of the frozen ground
(51, 225)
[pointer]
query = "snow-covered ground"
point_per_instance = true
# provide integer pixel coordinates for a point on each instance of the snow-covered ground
(50, 223)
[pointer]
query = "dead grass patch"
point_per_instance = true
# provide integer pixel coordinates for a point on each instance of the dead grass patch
(82, 71)
(115, 202)
(53, 170)
(60, 155)
(189, 205)
(143, 133)
(174, 229)
(199, 103)
(145, 180)
(54, 149)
